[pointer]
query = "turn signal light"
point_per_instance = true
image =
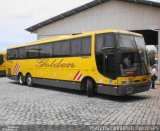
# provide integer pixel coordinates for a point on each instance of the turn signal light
(130, 73)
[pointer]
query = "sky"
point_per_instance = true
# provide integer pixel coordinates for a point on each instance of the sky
(17, 15)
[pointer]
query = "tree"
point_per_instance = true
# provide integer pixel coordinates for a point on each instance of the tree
(151, 56)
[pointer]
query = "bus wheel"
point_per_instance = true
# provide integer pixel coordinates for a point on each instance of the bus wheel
(90, 88)
(29, 80)
(21, 79)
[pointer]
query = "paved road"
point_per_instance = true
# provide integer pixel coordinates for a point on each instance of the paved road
(22, 105)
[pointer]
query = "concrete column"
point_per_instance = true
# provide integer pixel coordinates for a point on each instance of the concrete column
(159, 56)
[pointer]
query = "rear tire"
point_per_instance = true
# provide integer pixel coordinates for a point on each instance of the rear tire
(21, 79)
(29, 80)
(90, 88)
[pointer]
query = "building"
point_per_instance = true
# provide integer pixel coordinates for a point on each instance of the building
(134, 15)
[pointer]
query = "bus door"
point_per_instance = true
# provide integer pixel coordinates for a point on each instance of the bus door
(109, 62)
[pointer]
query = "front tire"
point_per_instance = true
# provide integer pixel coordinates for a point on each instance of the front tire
(90, 88)
(29, 80)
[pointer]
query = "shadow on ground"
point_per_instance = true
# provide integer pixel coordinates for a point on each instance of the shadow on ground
(2, 76)
(128, 98)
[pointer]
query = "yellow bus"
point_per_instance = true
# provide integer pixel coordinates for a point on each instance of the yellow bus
(110, 62)
(2, 63)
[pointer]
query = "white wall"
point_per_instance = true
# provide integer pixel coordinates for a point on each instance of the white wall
(110, 15)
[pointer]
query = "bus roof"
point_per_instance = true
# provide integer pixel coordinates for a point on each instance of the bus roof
(58, 38)
(2, 53)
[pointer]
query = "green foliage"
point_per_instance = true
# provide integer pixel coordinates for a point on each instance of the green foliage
(151, 56)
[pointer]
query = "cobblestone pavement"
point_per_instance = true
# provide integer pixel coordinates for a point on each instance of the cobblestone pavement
(23, 105)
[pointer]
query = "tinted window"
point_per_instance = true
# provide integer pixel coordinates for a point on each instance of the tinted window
(12, 54)
(61, 48)
(109, 40)
(42, 50)
(86, 46)
(81, 46)
(140, 43)
(104, 40)
(65, 48)
(21, 53)
(45, 50)
(99, 43)
(32, 51)
(57, 49)
(49, 49)
(9, 55)
(76, 47)
(126, 41)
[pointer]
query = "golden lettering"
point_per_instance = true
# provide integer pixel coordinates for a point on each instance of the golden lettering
(54, 64)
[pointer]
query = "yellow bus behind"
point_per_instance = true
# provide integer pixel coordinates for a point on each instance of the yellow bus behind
(2, 63)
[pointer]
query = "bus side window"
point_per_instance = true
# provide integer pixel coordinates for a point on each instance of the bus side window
(86, 46)
(32, 51)
(65, 48)
(14, 53)
(21, 53)
(99, 52)
(76, 47)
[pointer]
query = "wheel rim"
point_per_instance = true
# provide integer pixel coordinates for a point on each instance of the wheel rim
(29, 81)
(20, 80)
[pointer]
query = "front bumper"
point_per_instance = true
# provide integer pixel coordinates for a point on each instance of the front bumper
(123, 90)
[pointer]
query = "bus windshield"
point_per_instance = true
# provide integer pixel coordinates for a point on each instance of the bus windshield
(134, 57)
(1, 59)
(121, 55)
